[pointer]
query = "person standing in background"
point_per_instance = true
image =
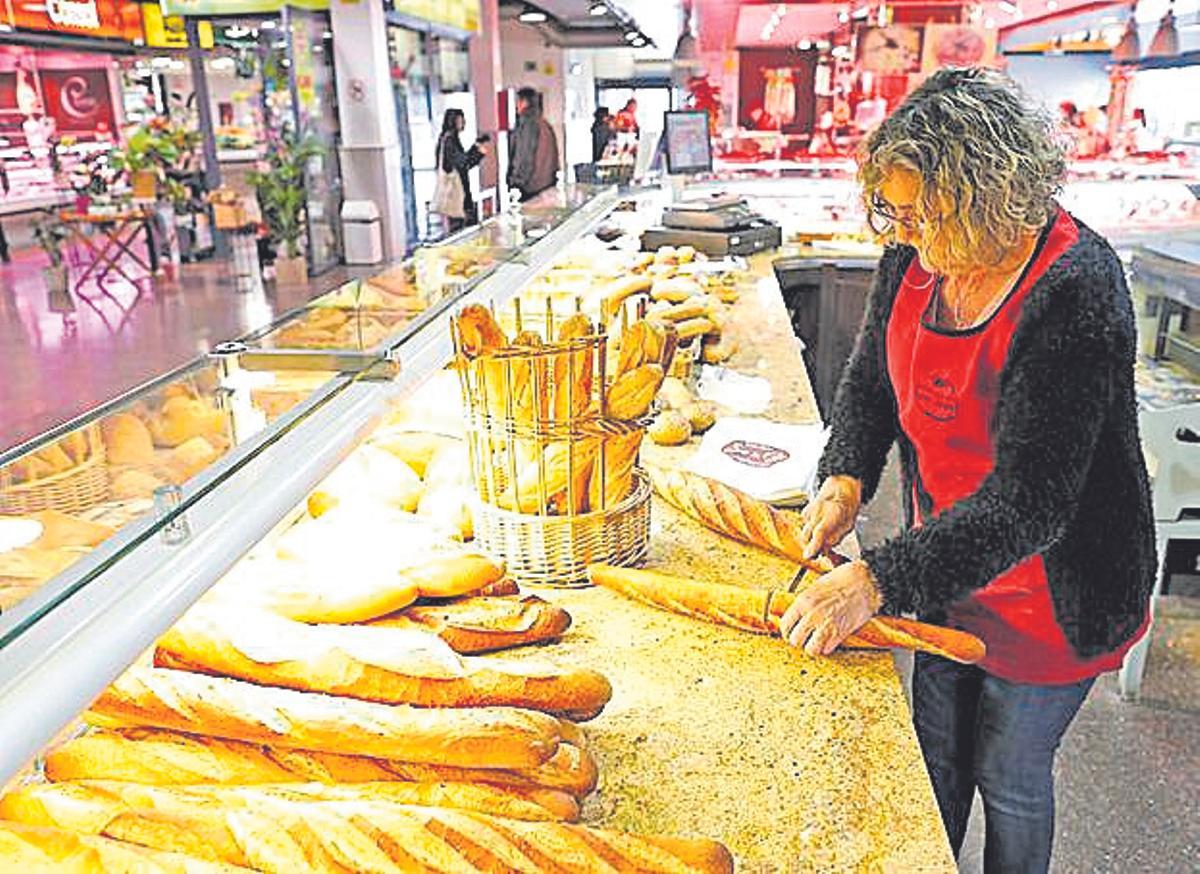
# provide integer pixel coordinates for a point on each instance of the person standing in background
(602, 132)
(533, 164)
(452, 158)
(626, 119)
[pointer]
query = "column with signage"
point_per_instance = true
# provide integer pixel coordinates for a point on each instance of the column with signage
(370, 154)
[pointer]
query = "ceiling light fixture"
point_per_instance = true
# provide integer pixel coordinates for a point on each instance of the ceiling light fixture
(1008, 6)
(1052, 5)
(804, 45)
(823, 45)
(532, 16)
(598, 9)
(267, 25)
(631, 35)
(639, 43)
(861, 13)
(844, 17)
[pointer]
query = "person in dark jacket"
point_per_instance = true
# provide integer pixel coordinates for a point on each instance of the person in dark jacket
(602, 132)
(453, 158)
(998, 352)
(533, 163)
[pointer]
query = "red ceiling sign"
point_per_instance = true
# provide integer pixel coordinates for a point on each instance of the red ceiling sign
(113, 19)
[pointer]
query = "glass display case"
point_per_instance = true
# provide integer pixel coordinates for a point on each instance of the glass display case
(113, 524)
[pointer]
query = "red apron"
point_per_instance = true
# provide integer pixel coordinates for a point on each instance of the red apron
(947, 384)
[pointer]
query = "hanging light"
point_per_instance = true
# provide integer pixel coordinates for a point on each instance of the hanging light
(1128, 48)
(532, 16)
(1166, 39)
(598, 9)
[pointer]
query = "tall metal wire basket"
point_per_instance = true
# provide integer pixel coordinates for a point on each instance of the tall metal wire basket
(555, 473)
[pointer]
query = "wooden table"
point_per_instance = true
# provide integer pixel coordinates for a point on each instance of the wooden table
(117, 232)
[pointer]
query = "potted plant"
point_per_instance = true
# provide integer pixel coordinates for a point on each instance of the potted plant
(281, 196)
(51, 235)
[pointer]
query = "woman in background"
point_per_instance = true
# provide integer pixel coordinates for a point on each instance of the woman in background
(453, 158)
(602, 132)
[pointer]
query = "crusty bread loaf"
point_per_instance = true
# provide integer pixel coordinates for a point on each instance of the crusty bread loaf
(477, 625)
(729, 511)
(620, 456)
(79, 805)
(62, 530)
(491, 737)
(631, 393)
(313, 594)
(34, 849)
(151, 755)
(759, 610)
(372, 663)
(288, 837)
(478, 331)
(564, 469)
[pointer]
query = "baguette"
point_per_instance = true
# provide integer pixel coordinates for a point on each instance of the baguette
(384, 665)
(632, 392)
(287, 837)
(80, 805)
(34, 849)
(759, 611)
(730, 512)
(494, 737)
(620, 456)
(476, 625)
(562, 463)
(619, 290)
(311, 595)
(151, 755)
(478, 331)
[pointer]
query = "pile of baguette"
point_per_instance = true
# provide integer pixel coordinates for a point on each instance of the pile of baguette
(340, 732)
(558, 422)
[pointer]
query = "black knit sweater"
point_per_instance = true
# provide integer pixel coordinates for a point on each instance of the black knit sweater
(1069, 481)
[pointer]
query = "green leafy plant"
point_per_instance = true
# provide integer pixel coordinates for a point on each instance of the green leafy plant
(51, 234)
(157, 147)
(281, 188)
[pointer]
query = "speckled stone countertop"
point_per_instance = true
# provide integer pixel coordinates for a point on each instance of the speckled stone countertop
(796, 764)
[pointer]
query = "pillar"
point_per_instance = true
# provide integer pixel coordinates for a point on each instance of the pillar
(487, 77)
(370, 153)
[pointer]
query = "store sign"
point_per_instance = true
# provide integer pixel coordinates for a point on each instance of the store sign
(79, 101)
(170, 31)
(463, 14)
(117, 19)
(237, 7)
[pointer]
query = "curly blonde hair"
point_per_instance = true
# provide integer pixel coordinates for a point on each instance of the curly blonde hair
(990, 164)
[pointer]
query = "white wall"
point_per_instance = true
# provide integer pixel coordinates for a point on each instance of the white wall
(1082, 79)
(1162, 93)
(529, 61)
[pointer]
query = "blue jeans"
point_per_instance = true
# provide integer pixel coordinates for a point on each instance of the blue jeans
(980, 732)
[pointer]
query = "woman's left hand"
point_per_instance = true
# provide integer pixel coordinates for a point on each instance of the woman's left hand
(831, 609)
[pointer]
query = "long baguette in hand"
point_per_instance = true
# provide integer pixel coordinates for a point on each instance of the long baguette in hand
(759, 611)
(477, 625)
(484, 737)
(29, 848)
(281, 837)
(78, 805)
(156, 756)
(385, 665)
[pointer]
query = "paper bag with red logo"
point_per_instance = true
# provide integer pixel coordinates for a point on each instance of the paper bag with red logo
(767, 460)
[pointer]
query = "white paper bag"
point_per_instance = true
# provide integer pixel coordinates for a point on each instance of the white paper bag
(766, 460)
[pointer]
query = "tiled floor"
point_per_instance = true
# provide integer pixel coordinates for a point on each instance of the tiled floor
(1128, 794)
(57, 366)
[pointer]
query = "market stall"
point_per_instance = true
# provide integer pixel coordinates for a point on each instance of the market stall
(294, 560)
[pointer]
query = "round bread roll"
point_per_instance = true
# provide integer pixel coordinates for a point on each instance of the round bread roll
(670, 428)
(127, 440)
(701, 415)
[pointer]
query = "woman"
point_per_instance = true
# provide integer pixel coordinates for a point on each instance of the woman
(998, 352)
(453, 158)
(602, 132)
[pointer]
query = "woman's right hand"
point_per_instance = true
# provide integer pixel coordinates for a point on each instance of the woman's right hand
(831, 515)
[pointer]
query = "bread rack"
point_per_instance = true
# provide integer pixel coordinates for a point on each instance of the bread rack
(555, 475)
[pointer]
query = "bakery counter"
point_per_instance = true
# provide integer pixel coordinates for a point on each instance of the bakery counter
(795, 763)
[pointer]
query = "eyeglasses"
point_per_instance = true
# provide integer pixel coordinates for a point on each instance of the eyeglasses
(882, 217)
